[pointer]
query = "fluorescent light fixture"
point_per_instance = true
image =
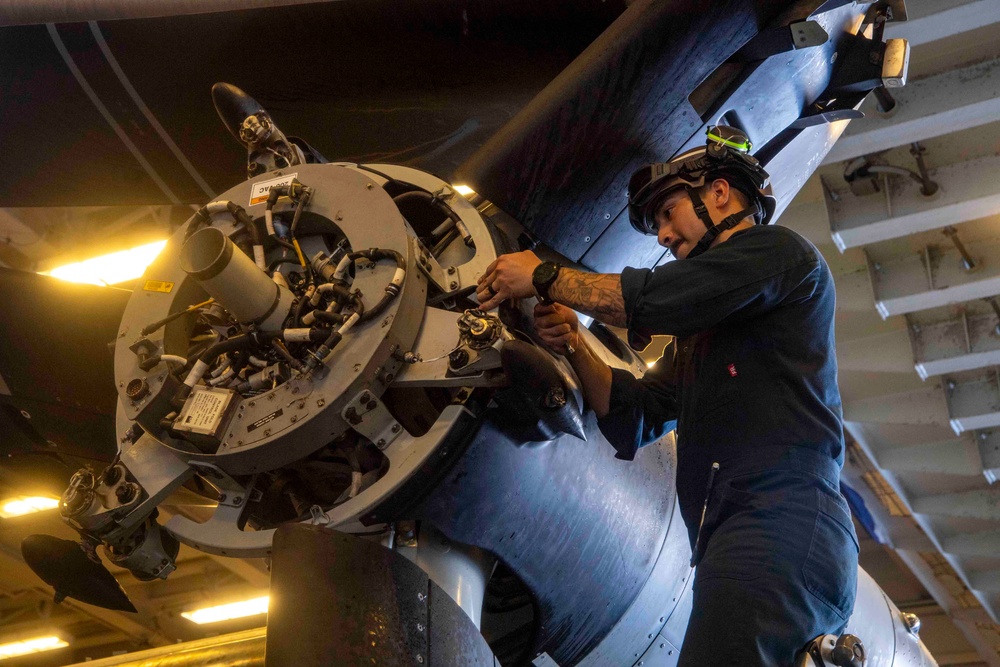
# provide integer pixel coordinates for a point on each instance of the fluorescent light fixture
(26, 646)
(464, 190)
(21, 505)
(116, 267)
(228, 612)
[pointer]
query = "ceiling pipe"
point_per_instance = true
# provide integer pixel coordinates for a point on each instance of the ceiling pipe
(32, 12)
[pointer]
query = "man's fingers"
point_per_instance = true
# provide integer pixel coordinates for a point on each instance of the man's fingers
(489, 271)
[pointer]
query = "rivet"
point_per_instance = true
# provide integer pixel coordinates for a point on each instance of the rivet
(420, 659)
(267, 432)
(451, 270)
(369, 186)
(420, 627)
(421, 597)
(253, 403)
(586, 239)
(454, 283)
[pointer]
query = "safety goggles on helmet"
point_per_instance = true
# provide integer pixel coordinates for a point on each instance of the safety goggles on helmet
(725, 155)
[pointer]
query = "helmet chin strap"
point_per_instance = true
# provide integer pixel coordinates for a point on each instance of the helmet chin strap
(713, 230)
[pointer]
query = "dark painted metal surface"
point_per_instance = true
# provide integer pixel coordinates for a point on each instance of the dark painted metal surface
(579, 527)
(360, 605)
(643, 92)
(56, 363)
(422, 83)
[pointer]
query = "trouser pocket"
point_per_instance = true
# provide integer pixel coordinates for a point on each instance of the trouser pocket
(830, 570)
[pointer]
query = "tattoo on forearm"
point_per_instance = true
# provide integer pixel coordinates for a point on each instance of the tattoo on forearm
(596, 294)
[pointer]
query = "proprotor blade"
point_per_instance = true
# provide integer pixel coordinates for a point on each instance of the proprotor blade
(66, 566)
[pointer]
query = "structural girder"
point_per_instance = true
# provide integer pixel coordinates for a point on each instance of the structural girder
(956, 100)
(947, 23)
(961, 344)
(978, 504)
(952, 457)
(934, 277)
(974, 404)
(985, 543)
(968, 190)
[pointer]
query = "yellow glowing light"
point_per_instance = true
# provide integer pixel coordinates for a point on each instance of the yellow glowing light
(228, 612)
(109, 269)
(464, 190)
(36, 645)
(26, 505)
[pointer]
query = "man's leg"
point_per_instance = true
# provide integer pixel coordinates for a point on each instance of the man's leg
(774, 576)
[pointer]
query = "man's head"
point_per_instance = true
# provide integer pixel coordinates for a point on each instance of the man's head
(678, 226)
(720, 177)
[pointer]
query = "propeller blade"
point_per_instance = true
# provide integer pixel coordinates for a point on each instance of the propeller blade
(72, 572)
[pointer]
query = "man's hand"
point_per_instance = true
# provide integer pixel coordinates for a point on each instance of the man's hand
(558, 328)
(508, 277)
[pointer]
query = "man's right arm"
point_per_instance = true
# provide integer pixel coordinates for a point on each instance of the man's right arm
(595, 376)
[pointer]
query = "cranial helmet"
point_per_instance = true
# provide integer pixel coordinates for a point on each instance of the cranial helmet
(725, 155)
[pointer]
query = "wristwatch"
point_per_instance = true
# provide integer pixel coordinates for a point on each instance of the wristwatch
(542, 278)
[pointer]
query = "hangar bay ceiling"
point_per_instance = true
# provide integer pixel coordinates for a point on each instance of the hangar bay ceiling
(134, 173)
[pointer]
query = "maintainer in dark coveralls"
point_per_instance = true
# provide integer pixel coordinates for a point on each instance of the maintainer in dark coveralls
(750, 384)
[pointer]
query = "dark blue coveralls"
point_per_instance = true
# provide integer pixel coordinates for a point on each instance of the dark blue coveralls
(750, 383)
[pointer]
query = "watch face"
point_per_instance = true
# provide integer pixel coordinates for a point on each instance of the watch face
(545, 273)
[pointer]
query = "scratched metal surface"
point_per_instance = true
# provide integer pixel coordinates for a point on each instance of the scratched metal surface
(581, 528)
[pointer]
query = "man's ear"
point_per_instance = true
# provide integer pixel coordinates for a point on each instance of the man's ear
(720, 192)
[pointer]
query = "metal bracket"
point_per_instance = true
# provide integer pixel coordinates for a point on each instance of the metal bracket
(771, 42)
(367, 415)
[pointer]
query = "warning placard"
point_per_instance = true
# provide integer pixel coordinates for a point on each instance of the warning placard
(260, 191)
(203, 411)
(158, 286)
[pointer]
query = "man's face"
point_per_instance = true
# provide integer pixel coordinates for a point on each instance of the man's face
(678, 227)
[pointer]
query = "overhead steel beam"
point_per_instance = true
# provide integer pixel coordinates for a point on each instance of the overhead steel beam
(811, 220)
(952, 457)
(913, 407)
(251, 570)
(28, 12)
(854, 292)
(956, 100)
(933, 278)
(961, 344)
(989, 453)
(882, 353)
(988, 581)
(985, 543)
(947, 23)
(946, 599)
(974, 404)
(979, 504)
(968, 191)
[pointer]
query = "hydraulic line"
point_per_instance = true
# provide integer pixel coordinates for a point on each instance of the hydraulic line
(150, 328)
(394, 286)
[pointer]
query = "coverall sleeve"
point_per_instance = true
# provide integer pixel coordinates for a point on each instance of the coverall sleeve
(730, 282)
(642, 410)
